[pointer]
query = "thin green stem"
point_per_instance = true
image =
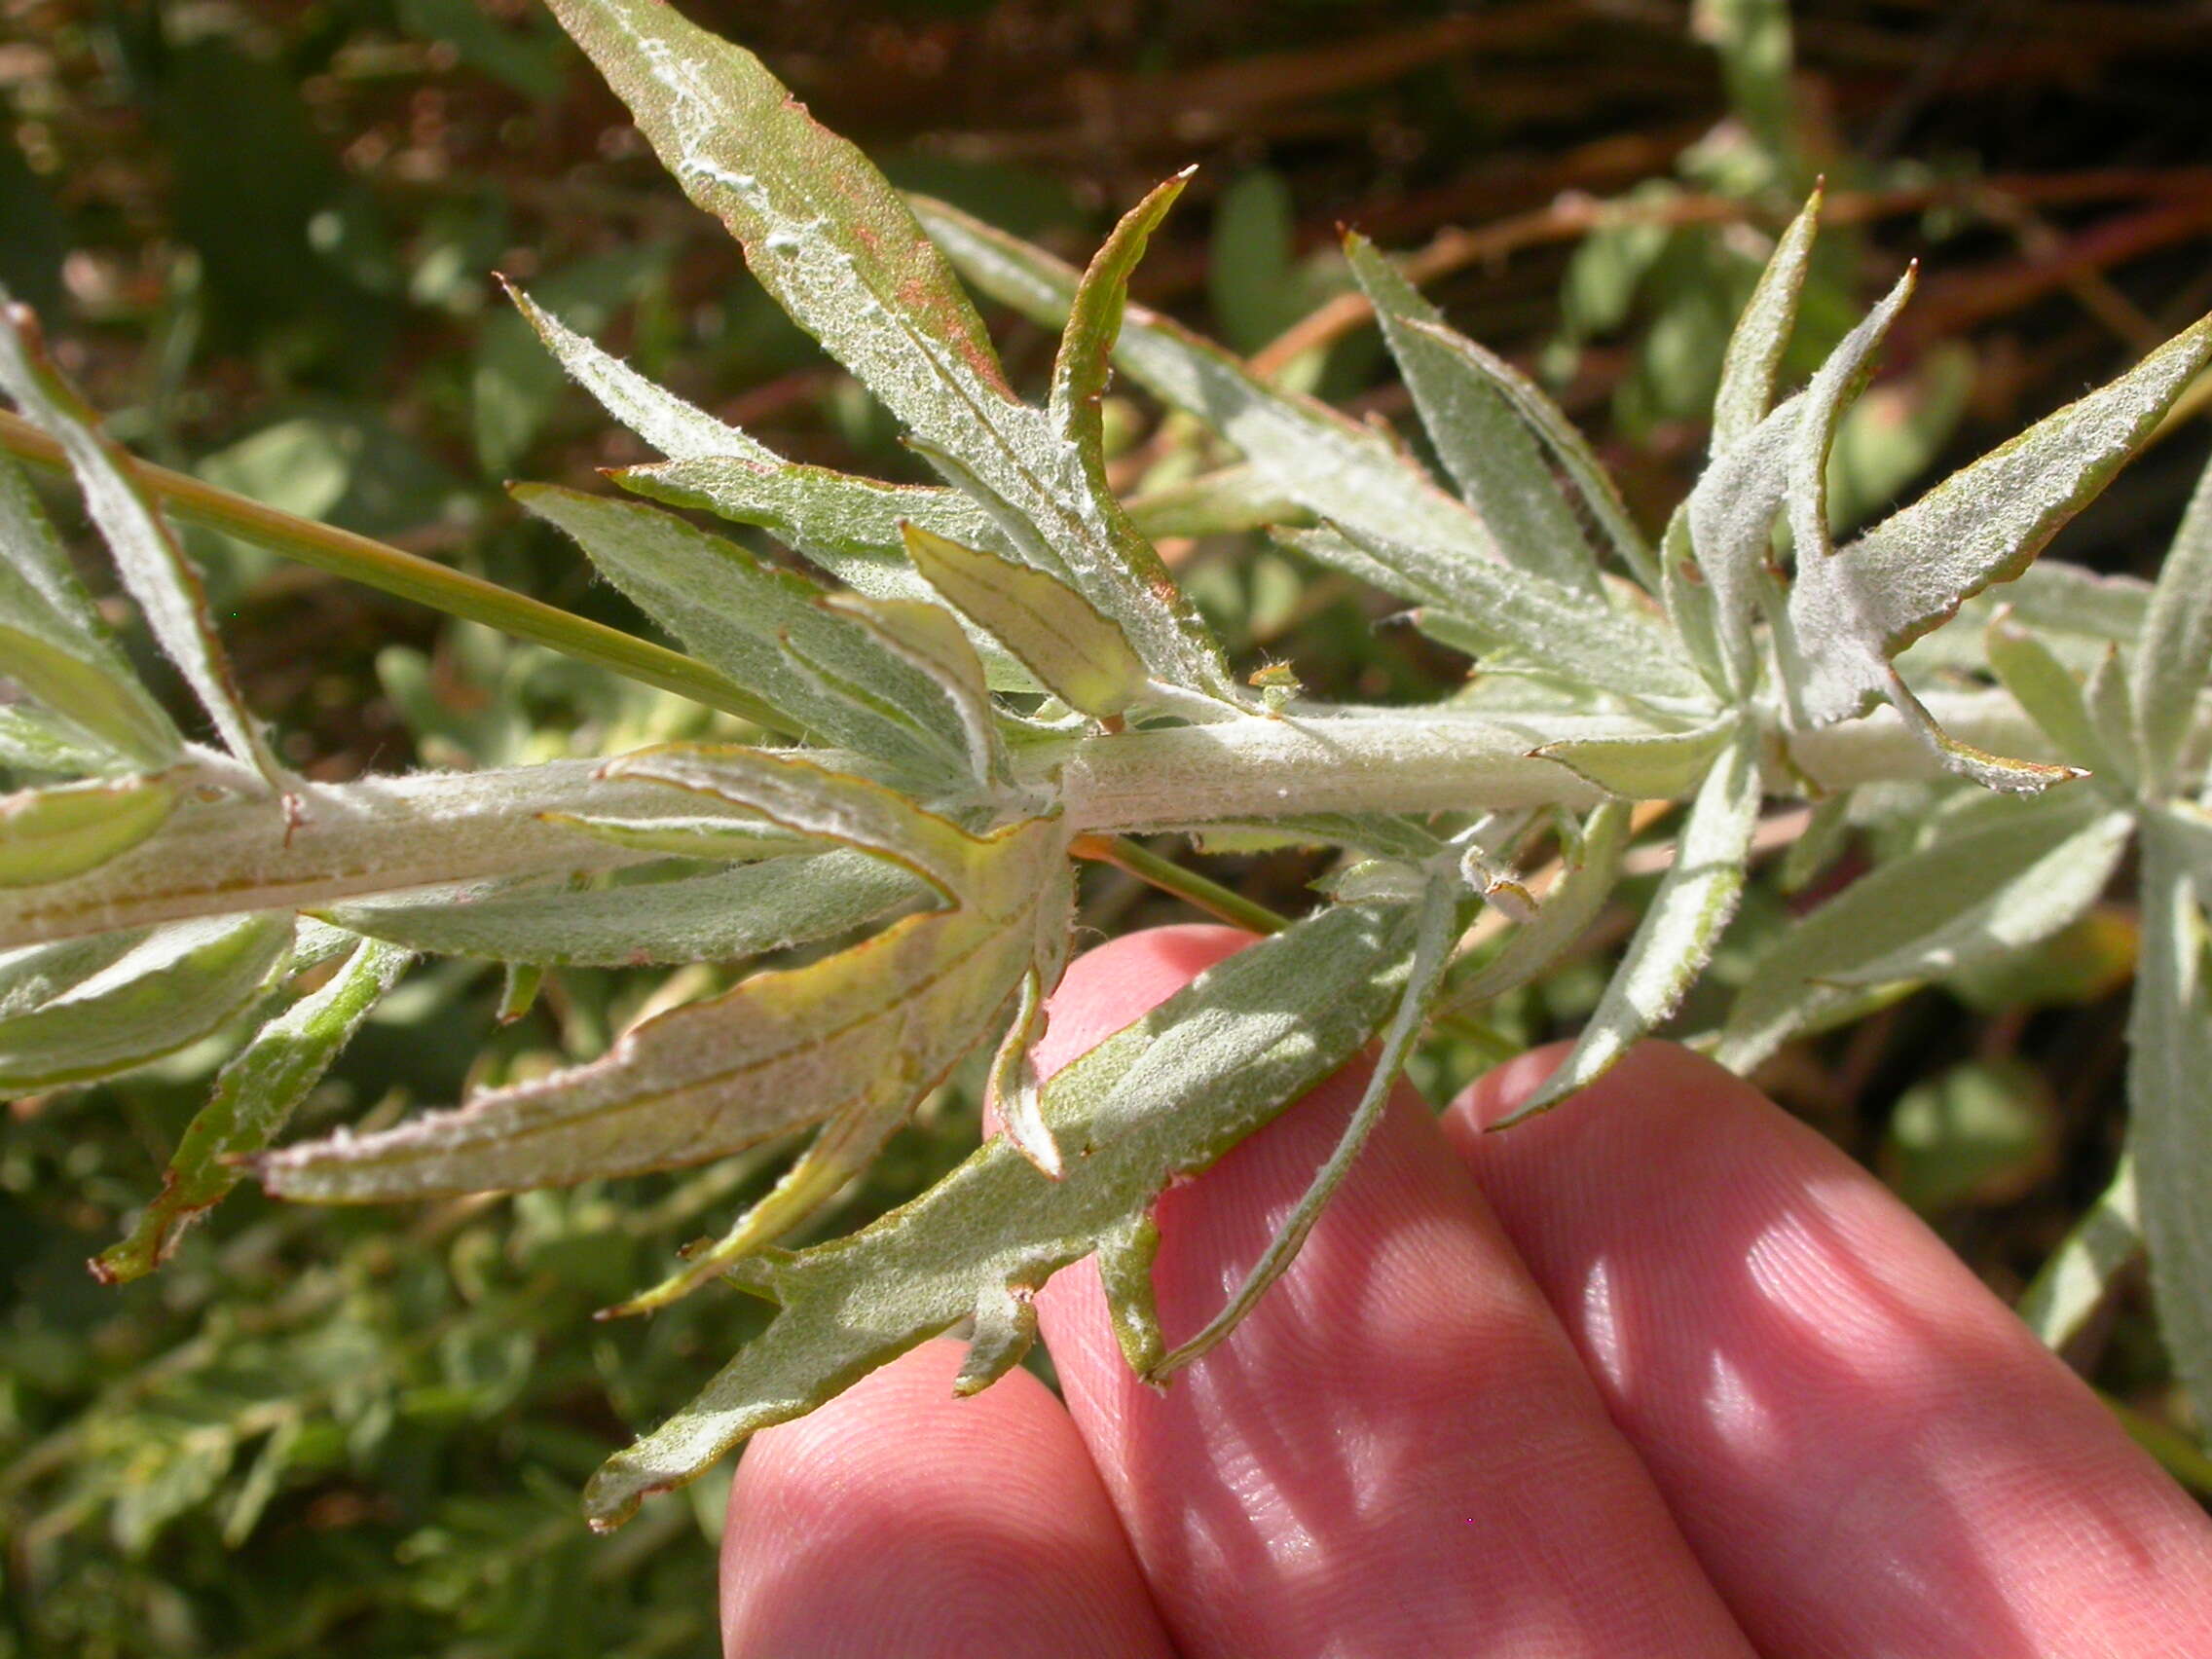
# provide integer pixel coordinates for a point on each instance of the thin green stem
(1187, 885)
(2175, 1452)
(406, 575)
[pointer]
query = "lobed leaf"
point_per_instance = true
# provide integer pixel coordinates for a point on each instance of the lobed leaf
(1674, 942)
(175, 985)
(724, 916)
(1852, 611)
(1056, 634)
(52, 833)
(254, 1096)
(839, 250)
(1327, 463)
(1162, 1098)
(151, 565)
(852, 1040)
(1997, 876)
(1480, 436)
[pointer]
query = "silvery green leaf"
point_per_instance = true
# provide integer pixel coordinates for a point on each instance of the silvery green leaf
(1580, 637)
(1997, 876)
(1437, 909)
(379, 834)
(1221, 503)
(173, 987)
(1327, 463)
(1674, 942)
(934, 643)
(42, 744)
(2106, 695)
(850, 527)
(1059, 636)
(2185, 832)
(766, 628)
(1481, 437)
(1817, 845)
(2078, 1276)
(837, 248)
(51, 833)
(723, 916)
(1590, 867)
(687, 835)
(2051, 696)
(254, 1097)
(1852, 611)
(1827, 396)
(53, 644)
(1990, 770)
(147, 557)
(34, 975)
(1784, 458)
(848, 1041)
(796, 792)
(1650, 766)
(677, 429)
(2169, 1036)
(1763, 333)
(1162, 1098)
(2174, 654)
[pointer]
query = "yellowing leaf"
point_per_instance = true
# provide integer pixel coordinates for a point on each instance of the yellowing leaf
(48, 834)
(1056, 633)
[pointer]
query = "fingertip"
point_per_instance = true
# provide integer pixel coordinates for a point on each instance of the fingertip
(900, 1518)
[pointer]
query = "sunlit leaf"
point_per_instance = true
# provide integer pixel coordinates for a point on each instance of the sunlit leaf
(1852, 611)
(766, 628)
(850, 1041)
(1164, 1098)
(1660, 766)
(1672, 944)
(2169, 1136)
(2173, 656)
(722, 917)
(52, 644)
(840, 251)
(2079, 1276)
(174, 986)
(1479, 435)
(1763, 333)
(51, 833)
(254, 1097)
(1056, 634)
(1578, 635)
(1997, 876)
(151, 565)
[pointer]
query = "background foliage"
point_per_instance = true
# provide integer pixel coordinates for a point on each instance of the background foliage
(262, 235)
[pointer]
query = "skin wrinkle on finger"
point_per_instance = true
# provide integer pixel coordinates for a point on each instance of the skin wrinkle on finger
(899, 1520)
(1868, 1453)
(1397, 1452)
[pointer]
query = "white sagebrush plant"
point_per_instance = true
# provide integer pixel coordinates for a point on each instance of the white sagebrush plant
(1002, 672)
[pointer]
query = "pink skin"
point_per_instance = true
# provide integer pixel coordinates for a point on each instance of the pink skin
(1639, 1378)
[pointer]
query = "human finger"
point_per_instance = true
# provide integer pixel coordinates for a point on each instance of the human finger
(1397, 1452)
(1868, 1451)
(900, 1520)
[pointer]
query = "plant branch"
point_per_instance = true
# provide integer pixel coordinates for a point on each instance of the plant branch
(406, 575)
(1202, 891)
